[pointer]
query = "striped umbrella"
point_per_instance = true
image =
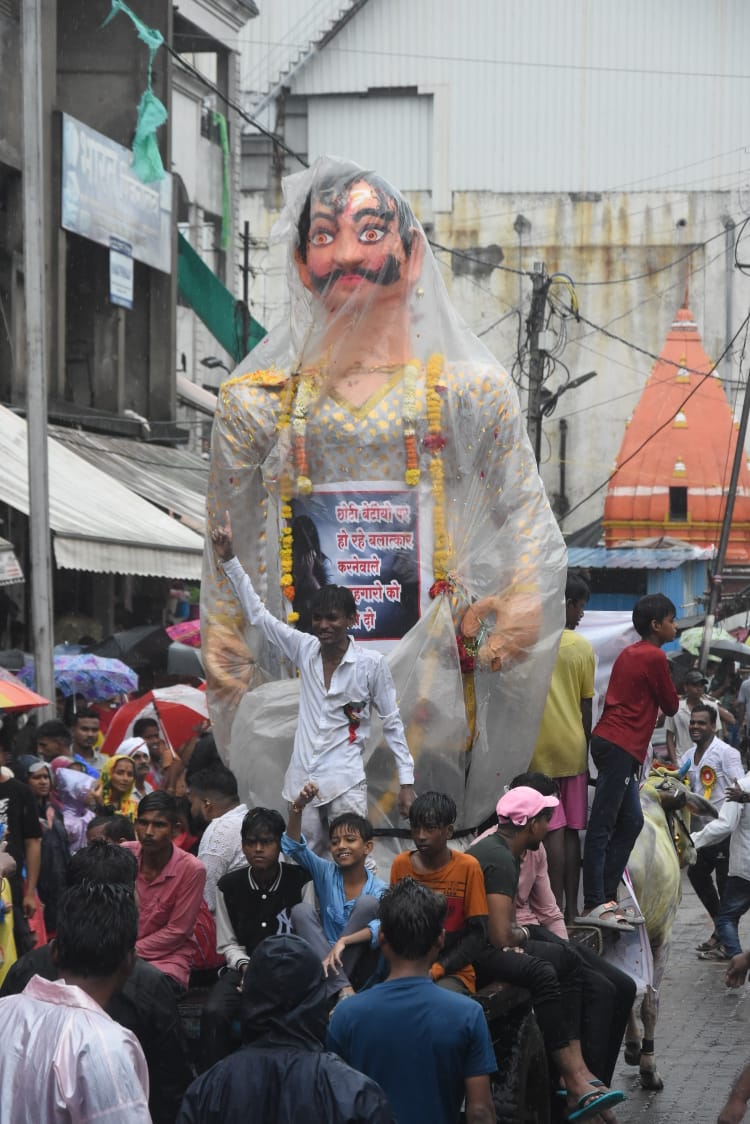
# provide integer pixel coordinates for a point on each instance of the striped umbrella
(15, 696)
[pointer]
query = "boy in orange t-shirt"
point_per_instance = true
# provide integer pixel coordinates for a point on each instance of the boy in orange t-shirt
(458, 877)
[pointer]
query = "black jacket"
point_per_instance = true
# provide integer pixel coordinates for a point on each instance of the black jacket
(146, 1005)
(283, 1075)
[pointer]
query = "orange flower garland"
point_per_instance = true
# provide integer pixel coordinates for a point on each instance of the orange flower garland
(285, 495)
(435, 442)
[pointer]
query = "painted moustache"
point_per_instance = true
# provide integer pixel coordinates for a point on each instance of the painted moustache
(388, 274)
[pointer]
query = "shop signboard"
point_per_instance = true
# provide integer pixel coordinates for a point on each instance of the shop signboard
(102, 197)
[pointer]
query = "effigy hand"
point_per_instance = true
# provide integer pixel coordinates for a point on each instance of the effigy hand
(228, 663)
(515, 630)
(221, 537)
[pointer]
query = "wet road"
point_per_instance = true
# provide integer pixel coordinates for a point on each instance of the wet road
(702, 1037)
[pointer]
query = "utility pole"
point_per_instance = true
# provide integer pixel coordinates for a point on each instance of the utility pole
(36, 348)
(246, 271)
(717, 572)
(536, 361)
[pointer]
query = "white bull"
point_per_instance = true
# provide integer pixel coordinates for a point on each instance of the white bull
(662, 849)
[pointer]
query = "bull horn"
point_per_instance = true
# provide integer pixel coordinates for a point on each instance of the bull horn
(699, 806)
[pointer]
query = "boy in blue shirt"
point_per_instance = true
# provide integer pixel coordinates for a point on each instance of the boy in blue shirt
(348, 893)
(428, 1048)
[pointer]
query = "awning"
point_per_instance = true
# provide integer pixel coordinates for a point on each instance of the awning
(171, 478)
(194, 395)
(647, 558)
(10, 570)
(98, 524)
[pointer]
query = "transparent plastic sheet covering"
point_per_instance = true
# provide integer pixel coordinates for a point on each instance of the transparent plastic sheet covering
(377, 404)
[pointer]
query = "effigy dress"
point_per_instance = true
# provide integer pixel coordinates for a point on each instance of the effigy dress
(471, 522)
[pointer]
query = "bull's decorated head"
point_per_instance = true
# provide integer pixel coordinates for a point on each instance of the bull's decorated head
(678, 802)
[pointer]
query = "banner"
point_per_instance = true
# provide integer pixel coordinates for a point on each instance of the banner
(367, 540)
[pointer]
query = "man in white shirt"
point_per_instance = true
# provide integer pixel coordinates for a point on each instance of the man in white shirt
(214, 799)
(339, 681)
(733, 824)
(712, 766)
(678, 726)
(76, 1062)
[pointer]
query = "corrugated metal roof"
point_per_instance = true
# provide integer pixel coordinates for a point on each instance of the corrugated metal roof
(645, 558)
(171, 478)
(97, 523)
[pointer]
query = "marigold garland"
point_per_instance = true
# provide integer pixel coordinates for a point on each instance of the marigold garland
(285, 495)
(434, 442)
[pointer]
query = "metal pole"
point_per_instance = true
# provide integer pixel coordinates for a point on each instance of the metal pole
(717, 572)
(536, 360)
(36, 349)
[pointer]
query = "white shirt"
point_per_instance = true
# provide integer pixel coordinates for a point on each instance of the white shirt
(726, 764)
(220, 850)
(734, 820)
(328, 745)
(65, 1061)
(743, 696)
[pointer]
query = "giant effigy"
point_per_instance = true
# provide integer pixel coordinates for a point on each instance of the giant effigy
(373, 441)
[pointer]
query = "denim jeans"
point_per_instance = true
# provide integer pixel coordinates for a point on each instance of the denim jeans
(615, 822)
(735, 902)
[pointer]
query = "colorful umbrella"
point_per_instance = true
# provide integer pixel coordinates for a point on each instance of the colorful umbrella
(186, 632)
(14, 695)
(178, 710)
(692, 638)
(87, 675)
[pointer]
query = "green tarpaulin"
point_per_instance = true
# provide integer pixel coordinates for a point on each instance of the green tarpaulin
(227, 319)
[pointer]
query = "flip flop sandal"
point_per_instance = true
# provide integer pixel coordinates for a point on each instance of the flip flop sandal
(717, 954)
(596, 918)
(712, 942)
(630, 915)
(591, 1104)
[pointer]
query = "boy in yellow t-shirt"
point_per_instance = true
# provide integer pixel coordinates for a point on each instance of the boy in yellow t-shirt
(562, 748)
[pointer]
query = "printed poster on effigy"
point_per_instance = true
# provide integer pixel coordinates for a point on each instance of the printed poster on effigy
(365, 538)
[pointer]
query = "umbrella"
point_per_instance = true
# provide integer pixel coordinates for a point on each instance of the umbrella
(731, 650)
(182, 659)
(140, 647)
(186, 632)
(14, 695)
(87, 675)
(692, 638)
(178, 710)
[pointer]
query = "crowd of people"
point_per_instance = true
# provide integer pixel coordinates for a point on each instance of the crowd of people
(138, 882)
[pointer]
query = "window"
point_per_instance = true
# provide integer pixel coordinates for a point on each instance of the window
(678, 505)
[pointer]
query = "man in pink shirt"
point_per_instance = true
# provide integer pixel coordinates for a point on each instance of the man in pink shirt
(170, 891)
(63, 1057)
(607, 993)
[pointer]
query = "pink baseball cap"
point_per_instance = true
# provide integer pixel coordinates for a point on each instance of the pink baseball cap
(519, 805)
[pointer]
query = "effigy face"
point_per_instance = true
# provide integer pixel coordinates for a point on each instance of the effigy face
(376, 444)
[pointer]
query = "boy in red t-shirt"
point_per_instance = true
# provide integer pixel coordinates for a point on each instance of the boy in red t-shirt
(639, 685)
(458, 877)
